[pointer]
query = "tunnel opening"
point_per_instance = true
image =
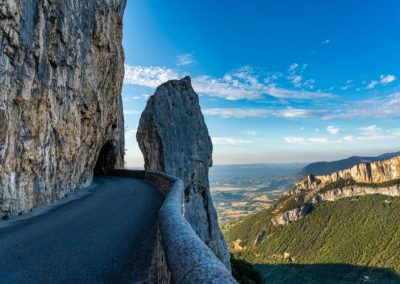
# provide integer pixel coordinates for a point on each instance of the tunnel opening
(106, 160)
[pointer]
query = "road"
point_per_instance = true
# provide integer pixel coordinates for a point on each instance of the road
(104, 236)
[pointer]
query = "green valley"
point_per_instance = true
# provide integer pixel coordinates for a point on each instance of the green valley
(352, 240)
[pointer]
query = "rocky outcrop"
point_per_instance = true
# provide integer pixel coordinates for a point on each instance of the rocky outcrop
(352, 191)
(61, 73)
(375, 172)
(173, 138)
(291, 215)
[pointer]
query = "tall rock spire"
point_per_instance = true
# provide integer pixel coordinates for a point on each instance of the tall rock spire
(173, 138)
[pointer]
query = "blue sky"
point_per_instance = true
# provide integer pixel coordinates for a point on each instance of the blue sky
(279, 81)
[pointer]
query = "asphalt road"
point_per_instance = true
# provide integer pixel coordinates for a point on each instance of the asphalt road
(104, 236)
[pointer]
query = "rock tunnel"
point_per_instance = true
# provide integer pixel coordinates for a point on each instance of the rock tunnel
(107, 159)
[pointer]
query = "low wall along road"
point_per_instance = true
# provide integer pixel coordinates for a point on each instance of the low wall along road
(181, 256)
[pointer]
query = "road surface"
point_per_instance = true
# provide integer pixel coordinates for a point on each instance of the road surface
(104, 236)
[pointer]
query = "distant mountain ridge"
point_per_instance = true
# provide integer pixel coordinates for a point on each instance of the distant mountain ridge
(326, 168)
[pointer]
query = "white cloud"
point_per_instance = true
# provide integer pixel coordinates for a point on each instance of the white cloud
(372, 133)
(348, 138)
(298, 113)
(318, 140)
(240, 84)
(307, 140)
(326, 41)
(151, 76)
(272, 78)
(295, 76)
(129, 99)
(229, 141)
(372, 84)
(371, 129)
(294, 94)
(185, 59)
(294, 140)
(373, 138)
(293, 67)
(383, 80)
(244, 86)
(296, 80)
(349, 84)
(236, 112)
(309, 83)
(250, 132)
(250, 112)
(229, 87)
(371, 108)
(333, 129)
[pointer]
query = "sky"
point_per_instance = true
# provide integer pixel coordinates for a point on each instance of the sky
(279, 81)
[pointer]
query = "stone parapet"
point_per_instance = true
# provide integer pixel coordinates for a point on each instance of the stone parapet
(180, 255)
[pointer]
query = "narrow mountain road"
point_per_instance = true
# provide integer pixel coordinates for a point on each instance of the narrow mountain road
(104, 236)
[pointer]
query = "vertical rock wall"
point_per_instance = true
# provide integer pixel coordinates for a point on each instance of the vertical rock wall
(367, 172)
(61, 73)
(173, 138)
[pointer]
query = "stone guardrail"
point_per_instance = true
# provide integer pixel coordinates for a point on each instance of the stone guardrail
(181, 256)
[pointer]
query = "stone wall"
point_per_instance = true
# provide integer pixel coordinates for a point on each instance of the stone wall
(61, 73)
(180, 256)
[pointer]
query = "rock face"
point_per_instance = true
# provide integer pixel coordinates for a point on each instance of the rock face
(365, 178)
(351, 191)
(325, 168)
(291, 215)
(61, 73)
(375, 172)
(173, 138)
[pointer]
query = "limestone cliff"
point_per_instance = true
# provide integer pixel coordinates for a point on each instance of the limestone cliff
(362, 179)
(374, 172)
(61, 73)
(173, 138)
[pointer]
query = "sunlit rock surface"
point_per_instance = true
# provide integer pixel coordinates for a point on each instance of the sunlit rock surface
(174, 139)
(61, 73)
(374, 172)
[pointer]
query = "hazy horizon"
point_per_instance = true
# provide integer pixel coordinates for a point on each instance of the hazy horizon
(333, 158)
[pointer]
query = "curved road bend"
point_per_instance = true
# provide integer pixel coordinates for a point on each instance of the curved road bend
(105, 236)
